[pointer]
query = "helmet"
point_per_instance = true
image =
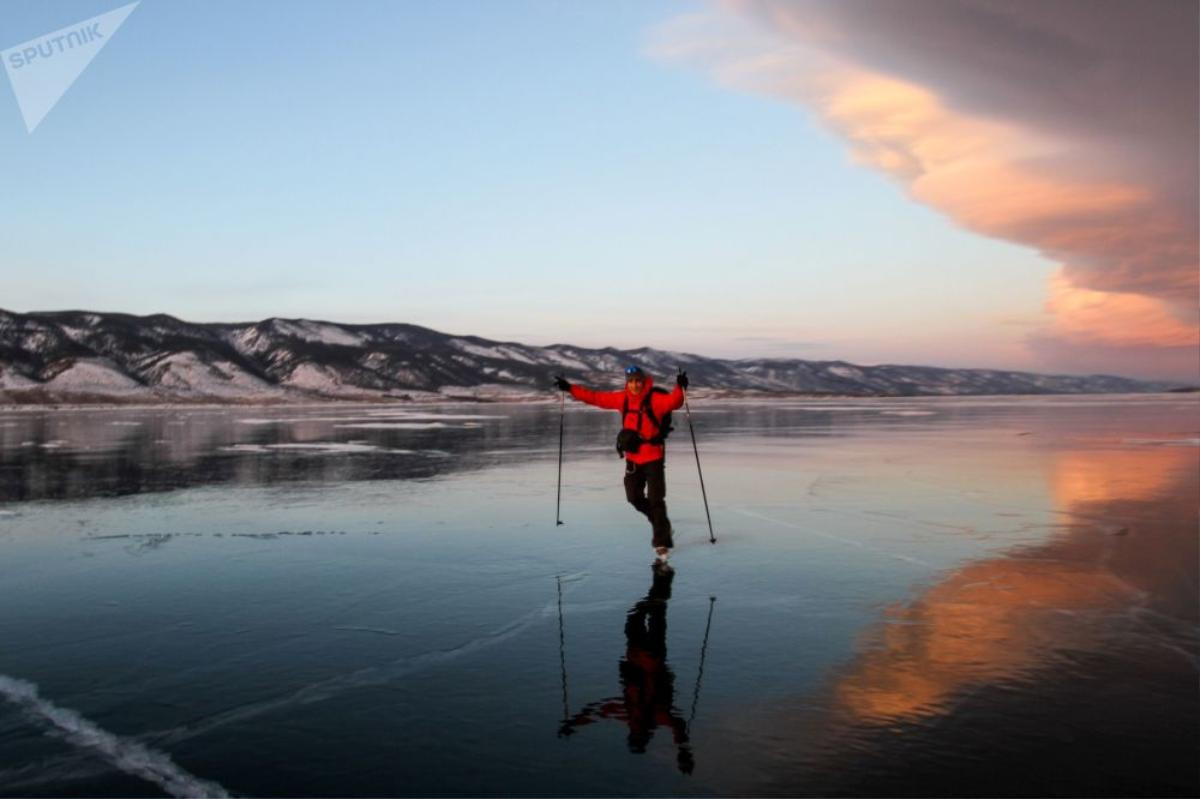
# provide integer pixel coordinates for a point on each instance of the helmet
(633, 370)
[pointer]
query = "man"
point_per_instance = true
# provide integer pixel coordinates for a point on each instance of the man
(644, 429)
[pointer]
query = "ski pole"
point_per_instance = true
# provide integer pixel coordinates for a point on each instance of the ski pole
(562, 412)
(712, 538)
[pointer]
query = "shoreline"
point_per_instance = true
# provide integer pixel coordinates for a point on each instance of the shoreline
(529, 399)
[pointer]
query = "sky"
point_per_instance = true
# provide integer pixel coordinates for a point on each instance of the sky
(1001, 185)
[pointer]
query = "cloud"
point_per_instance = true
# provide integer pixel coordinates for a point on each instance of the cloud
(1069, 127)
(1113, 317)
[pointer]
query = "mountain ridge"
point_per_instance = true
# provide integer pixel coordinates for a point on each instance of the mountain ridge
(91, 356)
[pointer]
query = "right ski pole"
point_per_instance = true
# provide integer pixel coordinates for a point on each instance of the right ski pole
(712, 538)
(562, 412)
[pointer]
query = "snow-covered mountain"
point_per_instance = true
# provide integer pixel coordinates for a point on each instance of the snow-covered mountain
(80, 356)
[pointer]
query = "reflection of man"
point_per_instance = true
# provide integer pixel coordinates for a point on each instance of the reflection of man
(647, 682)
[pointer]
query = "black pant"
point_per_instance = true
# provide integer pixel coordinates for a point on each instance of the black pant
(646, 490)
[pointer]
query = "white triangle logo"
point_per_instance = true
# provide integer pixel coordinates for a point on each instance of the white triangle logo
(42, 69)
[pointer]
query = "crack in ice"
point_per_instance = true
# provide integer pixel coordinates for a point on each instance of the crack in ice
(129, 756)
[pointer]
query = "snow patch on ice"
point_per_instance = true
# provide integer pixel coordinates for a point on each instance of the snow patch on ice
(292, 420)
(372, 418)
(315, 447)
(394, 425)
(325, 447)
(243, 448)
(412, 416)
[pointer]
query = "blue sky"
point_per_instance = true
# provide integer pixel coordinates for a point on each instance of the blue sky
(520, 171)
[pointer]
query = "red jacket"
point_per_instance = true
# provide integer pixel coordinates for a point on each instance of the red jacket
(660, 403)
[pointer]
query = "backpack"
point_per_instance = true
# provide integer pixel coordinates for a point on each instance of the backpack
(663, 425)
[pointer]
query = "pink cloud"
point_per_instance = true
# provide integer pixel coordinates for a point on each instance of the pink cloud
(1069, 127)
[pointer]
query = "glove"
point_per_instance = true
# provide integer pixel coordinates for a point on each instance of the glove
(681, 380)
(561, 384)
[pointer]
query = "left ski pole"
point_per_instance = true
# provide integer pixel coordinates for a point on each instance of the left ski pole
(562, 413)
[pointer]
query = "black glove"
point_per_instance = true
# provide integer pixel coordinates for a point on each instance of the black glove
(561, 384)
(681, 380)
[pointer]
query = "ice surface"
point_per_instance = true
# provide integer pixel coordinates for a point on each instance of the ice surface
(126, 755)
(284, 606)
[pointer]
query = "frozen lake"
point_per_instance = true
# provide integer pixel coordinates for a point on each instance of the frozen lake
(986, 596)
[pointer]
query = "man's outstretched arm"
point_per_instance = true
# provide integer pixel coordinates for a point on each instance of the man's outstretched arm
(601, 399)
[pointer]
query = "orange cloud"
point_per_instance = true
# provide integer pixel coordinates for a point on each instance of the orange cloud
(970, 168)
(1085, 316)
(1025, 163)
